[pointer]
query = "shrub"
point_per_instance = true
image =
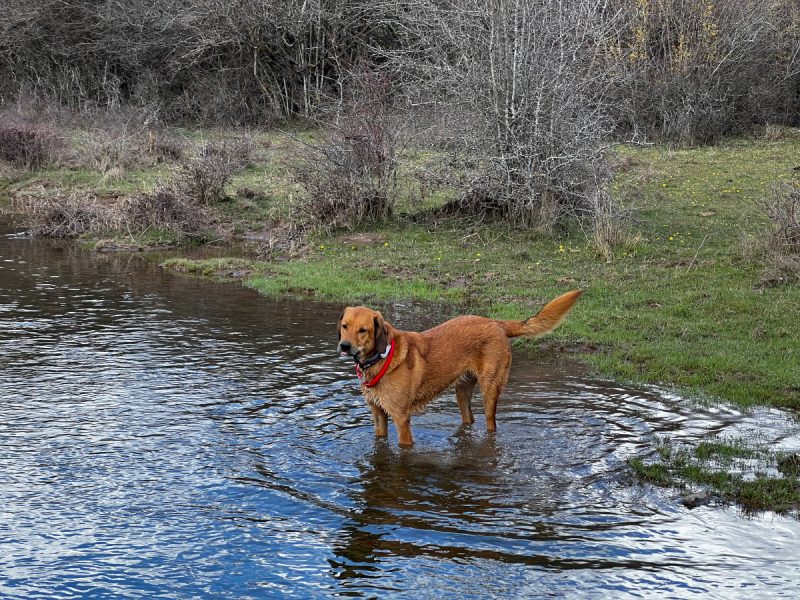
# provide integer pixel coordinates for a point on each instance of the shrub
(79, 212)
(63, 215)
(206, 175)
(28, 146)
(780, 247)
(526, 80)
(350, 176)
(692, 72)
(165, 146)
(168, 208)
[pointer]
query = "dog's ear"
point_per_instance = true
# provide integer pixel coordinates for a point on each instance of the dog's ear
(339, 327)
(381, 337)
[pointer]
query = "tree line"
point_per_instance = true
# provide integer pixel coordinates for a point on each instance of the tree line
(680, 69)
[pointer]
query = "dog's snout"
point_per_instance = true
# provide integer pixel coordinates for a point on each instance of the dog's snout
(345, 346)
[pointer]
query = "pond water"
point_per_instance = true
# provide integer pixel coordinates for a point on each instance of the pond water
(166, 437)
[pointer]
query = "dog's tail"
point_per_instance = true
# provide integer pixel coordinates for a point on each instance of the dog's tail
(547, 319)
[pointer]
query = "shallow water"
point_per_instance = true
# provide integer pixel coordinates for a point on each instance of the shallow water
(167, 437)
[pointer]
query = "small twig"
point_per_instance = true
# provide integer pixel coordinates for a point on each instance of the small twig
(700, 247)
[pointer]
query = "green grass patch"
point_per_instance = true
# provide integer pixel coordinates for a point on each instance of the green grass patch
(769, 493)
(655, 473)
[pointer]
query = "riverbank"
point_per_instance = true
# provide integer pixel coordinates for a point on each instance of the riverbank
(683, 305)
(686, 304)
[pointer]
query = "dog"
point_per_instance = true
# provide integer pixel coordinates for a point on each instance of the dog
(402, 371)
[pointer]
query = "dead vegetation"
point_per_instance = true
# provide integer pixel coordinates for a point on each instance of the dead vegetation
(117, 147)
(206, 175)
(779, 248)
(168, 207)
(27, 146)
(79, 212)
(350, 175)
(59, 214)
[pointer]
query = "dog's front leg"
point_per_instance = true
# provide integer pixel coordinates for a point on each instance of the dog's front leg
(380, 419)
(403, 425)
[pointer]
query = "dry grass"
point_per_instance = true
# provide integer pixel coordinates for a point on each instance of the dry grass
(27, 146)
(78, 212)
(119, 146)
(169, 208)
(63, 214)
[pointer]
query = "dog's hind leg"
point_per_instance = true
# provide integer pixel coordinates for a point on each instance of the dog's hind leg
(491, 387)
(380, 419)
(464, 388)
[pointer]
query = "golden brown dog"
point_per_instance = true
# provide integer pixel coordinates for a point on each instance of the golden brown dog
(401, 371)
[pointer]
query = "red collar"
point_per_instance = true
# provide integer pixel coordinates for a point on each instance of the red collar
(374, 381)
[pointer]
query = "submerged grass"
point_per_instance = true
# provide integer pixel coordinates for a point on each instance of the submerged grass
(735, 470)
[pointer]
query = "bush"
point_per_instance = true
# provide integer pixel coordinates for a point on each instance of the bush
(526, 80)
(206, 175)
(350, 177)
(63, 215)
(168, 208)
(79, 212)
(779, 247)
(692, 72)
(28, 146)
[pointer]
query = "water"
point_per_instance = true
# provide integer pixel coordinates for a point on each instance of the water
(166, 437)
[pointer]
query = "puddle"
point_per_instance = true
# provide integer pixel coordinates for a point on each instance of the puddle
(163, 436)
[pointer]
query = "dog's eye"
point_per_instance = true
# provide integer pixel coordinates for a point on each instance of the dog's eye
(344, 326)
(362, 330)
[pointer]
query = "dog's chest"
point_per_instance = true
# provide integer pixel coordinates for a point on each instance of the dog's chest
(386, 395)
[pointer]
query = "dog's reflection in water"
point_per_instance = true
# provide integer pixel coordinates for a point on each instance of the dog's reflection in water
(418, 504)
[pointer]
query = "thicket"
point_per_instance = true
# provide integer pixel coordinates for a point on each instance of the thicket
(526, 95)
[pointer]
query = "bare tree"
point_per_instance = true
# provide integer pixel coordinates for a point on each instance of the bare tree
(529, 80)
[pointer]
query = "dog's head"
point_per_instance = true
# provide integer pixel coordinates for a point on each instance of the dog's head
(362, 333)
